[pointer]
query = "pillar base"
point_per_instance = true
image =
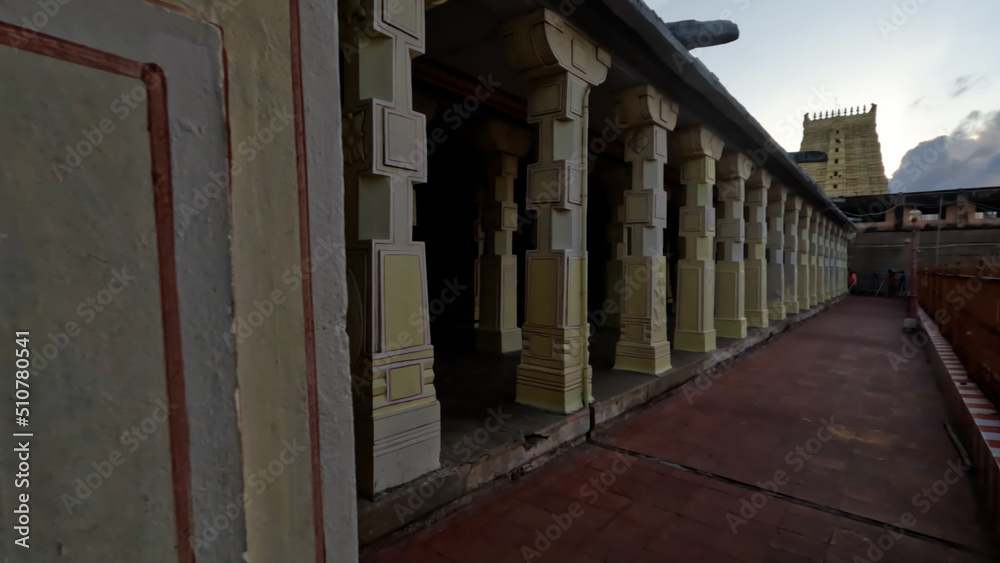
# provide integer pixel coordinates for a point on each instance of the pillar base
(757, 319)
(691, 341)
(792, 307)
(549, 389)
(398, 447)
(653, 360)
(502, 341)
(731, 328)
(777, 312)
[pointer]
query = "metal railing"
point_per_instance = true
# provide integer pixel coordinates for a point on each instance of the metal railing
(965, 303)
(882, 285)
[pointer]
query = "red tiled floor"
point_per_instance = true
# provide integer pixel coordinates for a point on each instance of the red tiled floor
(760, 419)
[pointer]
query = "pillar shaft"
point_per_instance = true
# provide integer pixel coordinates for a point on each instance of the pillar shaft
(560, 65)
(700, 150)
(497, 330)
(792, 208)
(806, 259)
(756, 260)
(730, 231)
(815, 261)
(776, 198)
(617, 180)
(643, 345)
(397, 415)
(496, 278)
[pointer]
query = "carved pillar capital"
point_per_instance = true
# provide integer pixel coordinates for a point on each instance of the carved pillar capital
(543, 43)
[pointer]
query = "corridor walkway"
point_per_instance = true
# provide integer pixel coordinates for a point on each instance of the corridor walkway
(812, 449)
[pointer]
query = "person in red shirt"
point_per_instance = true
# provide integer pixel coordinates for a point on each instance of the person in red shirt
(852, 279)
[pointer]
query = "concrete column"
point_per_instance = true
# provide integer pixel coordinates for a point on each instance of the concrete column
(560, 66)
(816, 257)
(700, 150)
(616, 179)
(497, 330)
(806, 259)
(776, 198)
(397, 415)
(730, 273)
(826, 290)
(756, 261)
(647, 116)
(844, 274)
(831, 263)
(792, 207)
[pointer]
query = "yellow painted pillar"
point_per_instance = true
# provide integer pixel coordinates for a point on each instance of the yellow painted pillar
(643, 345)
(616, 179)
(560, 65)
(730, 227)
(397, 415)
(480, 237)
(497, 330)
(700, 150)
(818, 271)
(827, 250)
(756, 260)
(807, 258)
(792, 207)
(776, 198)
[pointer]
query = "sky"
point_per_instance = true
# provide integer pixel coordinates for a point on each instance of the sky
(932, 66)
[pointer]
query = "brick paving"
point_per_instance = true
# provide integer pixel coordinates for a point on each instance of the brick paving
(819, 418)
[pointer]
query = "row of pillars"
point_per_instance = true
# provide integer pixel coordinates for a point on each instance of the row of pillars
(794, 258)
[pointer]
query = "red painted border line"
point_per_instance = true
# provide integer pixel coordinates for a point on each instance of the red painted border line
(305, 251)
(159, 139)
(35, 42)
(180, 451)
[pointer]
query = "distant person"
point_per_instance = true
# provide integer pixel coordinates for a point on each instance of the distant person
(852, 280)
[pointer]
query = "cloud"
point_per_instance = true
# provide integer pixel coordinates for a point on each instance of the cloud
(963, 84)
(967, 158)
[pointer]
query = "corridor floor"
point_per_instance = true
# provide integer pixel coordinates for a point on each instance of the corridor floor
(826, 445)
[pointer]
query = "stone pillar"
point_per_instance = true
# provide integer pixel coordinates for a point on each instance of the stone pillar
(826, 289)
(700, 150)
(730, 273)
(823, 263)
(560, 66)
(818, 252)
(776, 198)
(616, 179)
(756, 261)
(479, 235)
(844, 274)
(792, 207)
(807, 258)
(497, 330)
(643, 346)
(397, 415)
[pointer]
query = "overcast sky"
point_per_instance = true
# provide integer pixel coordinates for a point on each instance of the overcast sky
(932, 66)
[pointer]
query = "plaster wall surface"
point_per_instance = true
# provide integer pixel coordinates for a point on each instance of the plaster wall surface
(879, 250)
(86, 285)
(256, 218)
